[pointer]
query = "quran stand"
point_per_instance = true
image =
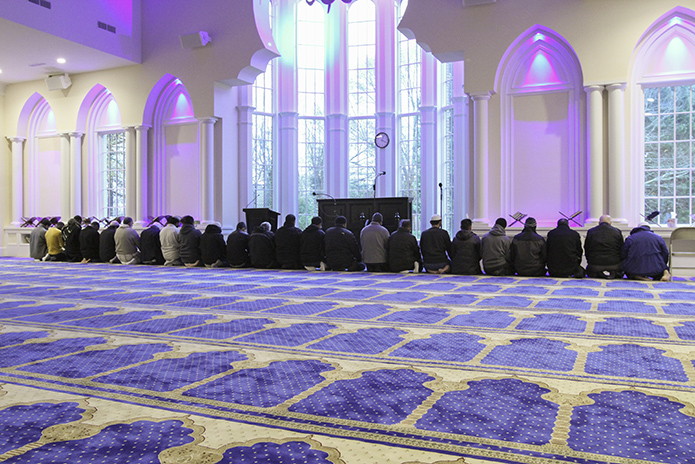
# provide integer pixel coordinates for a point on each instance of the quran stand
(518, 217)
(571, 218)
(650, 217)
(28, 222)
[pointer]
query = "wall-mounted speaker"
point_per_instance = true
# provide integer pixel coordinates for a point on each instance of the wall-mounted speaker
(58, 82)
(195, 40)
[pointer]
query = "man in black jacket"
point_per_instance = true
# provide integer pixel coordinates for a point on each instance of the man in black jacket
(89, 243)
(262, 248)
(564, 251)
(238, 247)
(465, 251)
(107, 244)
(213, 250)
(529, 251)
(312, 250)
(436, 247)
(190, 242)
(403, 249)
(151, 246)
(287, 244)
(342, 250)
(71, 235)
(603, 245)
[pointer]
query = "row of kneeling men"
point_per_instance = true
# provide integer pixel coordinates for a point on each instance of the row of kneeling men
(643, 255)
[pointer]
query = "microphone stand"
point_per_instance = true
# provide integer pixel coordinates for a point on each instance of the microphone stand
(382, 173)
(335, 209)
(441, 200)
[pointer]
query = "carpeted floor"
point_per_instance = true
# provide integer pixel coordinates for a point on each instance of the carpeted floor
(114, 364)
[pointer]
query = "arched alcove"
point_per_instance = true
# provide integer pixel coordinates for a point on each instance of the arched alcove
(662, 76)
(174, 149)
(99, 118)
(539, 80)
(43, 186)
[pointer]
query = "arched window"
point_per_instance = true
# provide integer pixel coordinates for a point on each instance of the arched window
(361, 39)
(45, 190)
(107, 157)
(665, 71)
(345, 74)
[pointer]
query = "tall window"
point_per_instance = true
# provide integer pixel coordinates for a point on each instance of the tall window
(113, 174)
(262, 165)
(310, 78)
(361, 97)
(409, 95)
(668, 152)
(447, 166)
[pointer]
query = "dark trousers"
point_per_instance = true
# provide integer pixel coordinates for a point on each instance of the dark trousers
(604, 271)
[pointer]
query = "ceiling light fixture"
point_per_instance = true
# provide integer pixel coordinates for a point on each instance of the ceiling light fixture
(61, 60)
(327, 2)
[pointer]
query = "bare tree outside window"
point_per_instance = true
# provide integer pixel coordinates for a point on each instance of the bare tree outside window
(113, 174)
(669, 135)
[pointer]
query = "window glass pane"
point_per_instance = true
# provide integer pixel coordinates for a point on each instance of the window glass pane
(113, 175)
(361, 158)
(670, 185)
(262, 159)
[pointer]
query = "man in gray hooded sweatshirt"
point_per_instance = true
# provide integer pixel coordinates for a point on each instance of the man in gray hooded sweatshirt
(496, 250)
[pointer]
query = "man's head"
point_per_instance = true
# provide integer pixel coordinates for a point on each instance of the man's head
(563, 222)
(436, 220)
(173, 220)
(187, 220)
(466, 224)
(406, 224)
(60, 225)
(605, 218)
(241, 226)
(377, 218)
(644, 225)
(95, 225)
(290, 220)
(501, 222)
(316, 221)
(531, 222)
(265, 226)
(113, 224)
(78, 218)
(45, 222)
(128, 221)
(340, 221)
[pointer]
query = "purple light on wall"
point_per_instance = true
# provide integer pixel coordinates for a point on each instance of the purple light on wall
(676, 58)
(182, 108)
(541, 72)
(675, 20)
(538, 37)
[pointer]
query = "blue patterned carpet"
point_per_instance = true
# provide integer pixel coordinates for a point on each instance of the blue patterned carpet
(113, 364)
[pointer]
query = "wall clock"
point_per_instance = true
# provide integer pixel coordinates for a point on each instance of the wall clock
(381, 140)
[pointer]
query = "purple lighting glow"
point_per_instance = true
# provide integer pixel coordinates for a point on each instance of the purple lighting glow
(538, 37)
(675, 20)
(182, 108)
(541, 71)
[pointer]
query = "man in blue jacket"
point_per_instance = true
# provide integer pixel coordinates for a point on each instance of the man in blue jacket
(645, 255)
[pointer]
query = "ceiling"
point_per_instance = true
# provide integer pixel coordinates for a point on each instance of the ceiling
(28, 54)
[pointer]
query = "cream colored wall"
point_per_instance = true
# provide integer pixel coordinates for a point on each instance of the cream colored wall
(5, 170)
(603, 33)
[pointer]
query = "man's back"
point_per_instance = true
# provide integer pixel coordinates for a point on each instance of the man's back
(435, 244)
(529, 253)
(37, 242)
(403, 251)
(312, 246)
(644, 253)
(151, 246)
(564, 247)
(287, 246)
(107, 244)
(342, 250)
(603, 245)
(189, 237)
(238, 248)
(170, 242)
(495, 250)
(374, 238)
(89, 243)
(465, 253)
(261, 249)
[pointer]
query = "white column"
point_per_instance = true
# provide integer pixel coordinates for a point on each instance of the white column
(616, 152)
(386, 159)
(17, 179)
(461, 186)
(141, 190)
(429, 180)
(76, 173)
(287, 162)
(480, 154)
(130, 172)
(206, 128)
(65, 212)
(245, 124)
(594, 124)
(337, 171)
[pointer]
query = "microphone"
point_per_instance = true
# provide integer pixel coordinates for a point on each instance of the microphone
(440, 185)
(254, 199)
(325, 194)
(382, 173)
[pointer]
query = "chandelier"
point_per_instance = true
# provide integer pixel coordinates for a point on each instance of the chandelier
(327, 2)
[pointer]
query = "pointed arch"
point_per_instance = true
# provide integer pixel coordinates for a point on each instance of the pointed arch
(663, 64)
(44, 159)
(540, 84)
(175, 154)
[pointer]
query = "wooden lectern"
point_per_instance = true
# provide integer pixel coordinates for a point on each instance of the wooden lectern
(255, 216)
(359, 210)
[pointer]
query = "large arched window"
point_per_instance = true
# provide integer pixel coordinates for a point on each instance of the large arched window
(44, 190)
(345, 74)
(107, 156)
(665, 70)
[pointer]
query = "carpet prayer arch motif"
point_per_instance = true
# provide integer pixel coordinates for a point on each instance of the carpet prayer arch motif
(144, 364)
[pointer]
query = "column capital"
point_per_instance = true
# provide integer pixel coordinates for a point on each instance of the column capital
(75, 135)
(142, 127)
(481, 96)
(594, 88)
(16, 139)
(208, 120)
(616, 86)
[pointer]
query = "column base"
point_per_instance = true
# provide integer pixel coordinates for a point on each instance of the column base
(141, 224)
(206, 223)
(481, 222)
(16, 223)
(591, 222)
